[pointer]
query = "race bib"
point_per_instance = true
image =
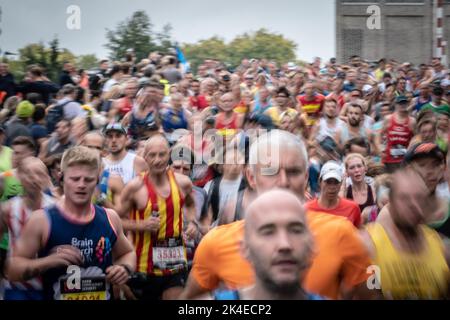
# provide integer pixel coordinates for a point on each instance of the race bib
(82, 284)
(93, 288)
(169, 255)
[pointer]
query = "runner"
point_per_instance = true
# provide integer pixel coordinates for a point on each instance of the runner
(279, 246)
(339, 267)
(74, 233)
(120, 161)
(398, 130)
(412, 259)
(152, 211)
(14, 214)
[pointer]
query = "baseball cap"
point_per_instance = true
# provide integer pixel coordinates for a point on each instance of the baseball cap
(25, 109)
(115, 127)
(424, 150)
(401, 99)
(328, 144)
(265, 121)
(331, 170)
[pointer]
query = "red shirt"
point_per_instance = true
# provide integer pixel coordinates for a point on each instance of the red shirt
(398, 138)
(199, 102)
(346, 208)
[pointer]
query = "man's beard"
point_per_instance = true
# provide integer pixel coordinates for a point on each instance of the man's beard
(329, 117)
(354, 123)
(118, 151)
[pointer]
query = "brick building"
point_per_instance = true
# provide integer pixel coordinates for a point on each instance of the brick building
(409, 30)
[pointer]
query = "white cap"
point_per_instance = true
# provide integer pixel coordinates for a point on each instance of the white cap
(331, 170)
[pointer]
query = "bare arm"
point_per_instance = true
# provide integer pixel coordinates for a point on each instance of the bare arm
(189, 203)
(123, 254)
(140, 165)
(127, 202)
(43, 151)
(23, 265)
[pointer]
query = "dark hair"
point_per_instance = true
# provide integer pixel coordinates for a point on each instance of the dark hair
(36, 70)
(116, 68)
(39, 112)
(24, 141)
(184, 153)
(125, 67)
(358, 141)
(283, 90)
(34, 97)
(387, 75)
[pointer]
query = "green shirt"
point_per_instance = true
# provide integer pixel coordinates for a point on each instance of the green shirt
(4, 241)
(12, 187)
(5, 159)
(444, 108)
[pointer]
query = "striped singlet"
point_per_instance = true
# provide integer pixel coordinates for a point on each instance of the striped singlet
(162, 253)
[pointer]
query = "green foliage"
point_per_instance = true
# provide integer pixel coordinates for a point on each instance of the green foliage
(137, 33)
(260, 44)
(87, 61)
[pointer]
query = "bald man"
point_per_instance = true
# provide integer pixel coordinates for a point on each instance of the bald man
(279, 245)
(33, 176)
(227, 121)
(152, 211)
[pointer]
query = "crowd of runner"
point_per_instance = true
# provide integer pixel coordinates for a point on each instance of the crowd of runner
(145, 180)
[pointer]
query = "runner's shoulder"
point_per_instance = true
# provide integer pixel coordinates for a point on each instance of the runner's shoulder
(229, 231)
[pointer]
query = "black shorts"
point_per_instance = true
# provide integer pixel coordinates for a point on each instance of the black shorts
(146, 287)
(3, 255)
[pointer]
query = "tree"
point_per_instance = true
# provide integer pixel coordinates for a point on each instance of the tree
(87, 61)
(260, 44)
(213, 48)
(51, 58)
(164, 39)
(135, 32)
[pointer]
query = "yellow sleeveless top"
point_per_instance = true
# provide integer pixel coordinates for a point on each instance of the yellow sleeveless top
(406, 275)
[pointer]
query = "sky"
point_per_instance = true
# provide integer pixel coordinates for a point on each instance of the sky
(310, 24)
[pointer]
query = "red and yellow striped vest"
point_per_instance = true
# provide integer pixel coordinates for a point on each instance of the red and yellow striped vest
(171, 227)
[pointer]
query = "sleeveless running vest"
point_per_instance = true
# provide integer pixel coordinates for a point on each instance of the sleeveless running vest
(226, 129)
(95, 239)
(17, 218)
(123, 168)
(397, 140)
(164, 252)
(410, 276)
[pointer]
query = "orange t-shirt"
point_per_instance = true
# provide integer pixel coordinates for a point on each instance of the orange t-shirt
(346, 208)
(340, 256)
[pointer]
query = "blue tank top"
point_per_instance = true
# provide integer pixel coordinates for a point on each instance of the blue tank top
(172, 120)
(137, 126)
(95, 240)
(419, 104)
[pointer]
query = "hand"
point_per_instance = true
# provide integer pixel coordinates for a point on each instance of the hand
(117, 275)
(191, 230)
(66, 255)
(152, 224)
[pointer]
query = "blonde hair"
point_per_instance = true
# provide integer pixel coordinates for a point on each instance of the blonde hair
(80, 155)
(354, 155)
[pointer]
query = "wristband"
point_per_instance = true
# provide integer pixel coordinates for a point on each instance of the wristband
(127, 268)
